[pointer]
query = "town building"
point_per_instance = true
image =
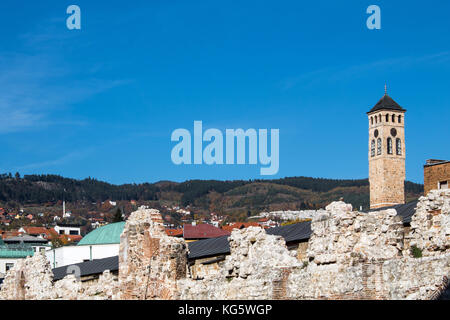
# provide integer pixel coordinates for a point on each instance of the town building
(202, 231)
(10, 254)
(100, 243)
(41, 232)
(68, 229)
(436, 175)
(36, 243)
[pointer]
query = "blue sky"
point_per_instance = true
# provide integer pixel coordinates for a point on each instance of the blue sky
(103, 101)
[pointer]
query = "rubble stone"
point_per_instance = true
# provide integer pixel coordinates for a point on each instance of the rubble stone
(350, 255)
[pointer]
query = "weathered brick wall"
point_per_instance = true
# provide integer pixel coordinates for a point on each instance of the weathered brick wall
(150, 262)
(435, 174)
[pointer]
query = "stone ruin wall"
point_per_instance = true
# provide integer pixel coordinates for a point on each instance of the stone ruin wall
(32, 279)
(350, 255)
(150, 262)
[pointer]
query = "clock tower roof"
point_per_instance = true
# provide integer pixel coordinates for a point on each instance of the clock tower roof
(386, 103)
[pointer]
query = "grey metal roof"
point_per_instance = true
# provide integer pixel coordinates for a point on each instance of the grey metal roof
(216, 246)
(88, 268)
(435, 163)
(294, 232)
(25, 238)
(406, 211)
(208, 247)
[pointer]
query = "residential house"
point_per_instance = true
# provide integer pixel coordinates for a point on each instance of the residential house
(202, 231)
(68, 229)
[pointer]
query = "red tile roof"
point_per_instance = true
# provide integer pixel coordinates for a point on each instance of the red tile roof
(203, 231)
(73, 237)
(174, 232)
(40, 230)
(240, 225)
(10, 234)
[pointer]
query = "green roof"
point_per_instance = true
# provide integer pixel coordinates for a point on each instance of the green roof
(15, 251)
(108, 234)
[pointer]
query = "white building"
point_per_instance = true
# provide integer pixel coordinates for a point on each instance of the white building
(68, 229)
(102, 242)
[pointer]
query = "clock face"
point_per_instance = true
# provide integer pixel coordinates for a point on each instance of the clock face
(376, 133)
(393, 132)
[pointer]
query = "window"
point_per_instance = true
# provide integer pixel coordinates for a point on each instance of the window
(380, 117)
(398, 144)
(387, 118)
(389, 145)
(378, 146)
(61, 231)
(9, 266)
(443, 185)
(73, 232)
(371, 120)
(372, 148)
(393, 118)
(399, 119)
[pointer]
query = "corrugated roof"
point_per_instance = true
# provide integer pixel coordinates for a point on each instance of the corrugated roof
(211, 247)
(88, 268)
(294, 232)
(208, 247)
(108, 234)
(406, 211)
(25, 238)
(386, 103)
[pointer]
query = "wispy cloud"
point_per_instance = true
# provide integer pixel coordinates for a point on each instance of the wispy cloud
(355, 71)
(35, 84)
(68, 158)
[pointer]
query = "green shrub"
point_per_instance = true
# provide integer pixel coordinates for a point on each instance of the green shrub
(416, 252)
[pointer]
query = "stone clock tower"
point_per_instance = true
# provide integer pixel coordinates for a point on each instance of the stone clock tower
(386, 153)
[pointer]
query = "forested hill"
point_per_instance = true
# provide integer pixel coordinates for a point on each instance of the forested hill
(238, 195)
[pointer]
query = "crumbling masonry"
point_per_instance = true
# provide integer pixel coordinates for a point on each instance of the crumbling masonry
(350, 255)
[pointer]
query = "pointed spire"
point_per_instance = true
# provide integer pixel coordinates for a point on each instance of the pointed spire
(385, 88)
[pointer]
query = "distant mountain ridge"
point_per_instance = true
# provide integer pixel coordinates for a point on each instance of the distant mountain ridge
(233, 197)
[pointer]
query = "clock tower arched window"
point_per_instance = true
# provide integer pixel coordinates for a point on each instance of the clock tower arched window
(379, 146)
(372, 148)
(398, 143)
(389, 145)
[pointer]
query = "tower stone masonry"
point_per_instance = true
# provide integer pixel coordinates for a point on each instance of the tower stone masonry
(386, 153)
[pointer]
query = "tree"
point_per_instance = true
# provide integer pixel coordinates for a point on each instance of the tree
(56, 241)
(118, 216)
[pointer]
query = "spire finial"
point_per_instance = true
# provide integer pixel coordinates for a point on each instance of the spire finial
(385, 88)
